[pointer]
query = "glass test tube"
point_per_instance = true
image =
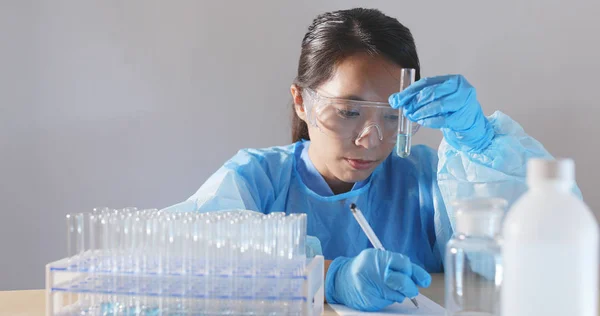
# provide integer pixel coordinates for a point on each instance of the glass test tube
(71, 240)
(93, 258)
(222, 248)
(404, 138)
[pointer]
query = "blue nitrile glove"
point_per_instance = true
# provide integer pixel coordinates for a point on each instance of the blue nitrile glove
(373, 280)
(450, 104)
(313, 247)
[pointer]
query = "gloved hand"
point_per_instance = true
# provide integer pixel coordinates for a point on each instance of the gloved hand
(313, 247)
(373, 280)
(450, 104)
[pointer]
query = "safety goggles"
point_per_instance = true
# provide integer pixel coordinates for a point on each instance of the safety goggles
(351, 119)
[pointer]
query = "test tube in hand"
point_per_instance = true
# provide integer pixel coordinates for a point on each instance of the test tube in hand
(404, 138)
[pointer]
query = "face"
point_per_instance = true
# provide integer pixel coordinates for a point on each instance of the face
(343, 162)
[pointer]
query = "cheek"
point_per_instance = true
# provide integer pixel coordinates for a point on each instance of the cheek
(387, 149)
(333, 150)
(327, 146)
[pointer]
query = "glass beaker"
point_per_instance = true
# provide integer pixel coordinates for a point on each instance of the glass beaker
(473, 271)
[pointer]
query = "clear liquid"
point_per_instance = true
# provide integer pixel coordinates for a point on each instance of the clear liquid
(403, 142)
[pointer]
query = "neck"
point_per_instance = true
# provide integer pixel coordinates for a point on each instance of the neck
(336, 185)
(339, 187)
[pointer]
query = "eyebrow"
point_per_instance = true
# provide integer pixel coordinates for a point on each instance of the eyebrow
(352, 97)
(359, 99)
(346, 97)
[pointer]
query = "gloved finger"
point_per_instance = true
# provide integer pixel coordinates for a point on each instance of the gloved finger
(414, 88)
(426, 111)
(400, 263)
(313, 247)
(420, 277)
(401, 283)
(401, 99)
(392, 295)
(464, 118)
(438, 121)
(460, 119)
(445, 106)
(445, 98)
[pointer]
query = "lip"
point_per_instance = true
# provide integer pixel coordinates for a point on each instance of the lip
(360, 164)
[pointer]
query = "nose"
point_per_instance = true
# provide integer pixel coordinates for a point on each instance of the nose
(371, 136)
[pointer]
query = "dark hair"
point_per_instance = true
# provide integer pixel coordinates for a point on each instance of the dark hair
(333, 36)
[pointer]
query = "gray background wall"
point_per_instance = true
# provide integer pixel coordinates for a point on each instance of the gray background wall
(125, 103)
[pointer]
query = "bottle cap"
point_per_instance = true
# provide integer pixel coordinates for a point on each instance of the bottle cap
(539, 170)
(479, 216)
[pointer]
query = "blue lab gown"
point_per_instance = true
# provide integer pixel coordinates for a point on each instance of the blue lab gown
(405, 200)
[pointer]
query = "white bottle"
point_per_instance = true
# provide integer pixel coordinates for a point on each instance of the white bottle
(550, 250)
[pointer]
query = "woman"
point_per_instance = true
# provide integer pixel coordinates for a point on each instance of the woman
(344, 135)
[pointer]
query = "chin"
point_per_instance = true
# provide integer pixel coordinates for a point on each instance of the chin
(356, 176)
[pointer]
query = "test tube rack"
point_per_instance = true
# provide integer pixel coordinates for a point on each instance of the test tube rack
(150, 262)
(73, 289)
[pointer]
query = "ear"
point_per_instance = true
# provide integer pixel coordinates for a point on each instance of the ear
(298, 101)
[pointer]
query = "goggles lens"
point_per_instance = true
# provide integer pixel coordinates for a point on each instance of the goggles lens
(347, 119)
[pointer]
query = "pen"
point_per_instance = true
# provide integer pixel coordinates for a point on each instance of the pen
(362, 221)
